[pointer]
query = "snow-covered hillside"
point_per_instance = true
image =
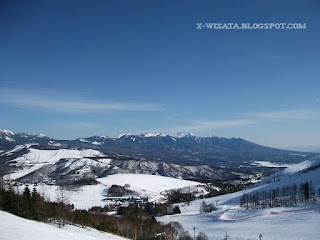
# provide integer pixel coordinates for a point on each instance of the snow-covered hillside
(293, 222)
(143, 185)
(36, 159)
(33, 164)
(298, 173)
(146, 182)
(16, 228)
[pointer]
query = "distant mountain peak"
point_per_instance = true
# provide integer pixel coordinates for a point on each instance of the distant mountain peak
(179, 135)
(149, 135)
(7, 132)
(123, 135)
(40, 135)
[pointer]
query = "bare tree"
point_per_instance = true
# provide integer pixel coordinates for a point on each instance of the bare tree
(1, 182)
(63, 199)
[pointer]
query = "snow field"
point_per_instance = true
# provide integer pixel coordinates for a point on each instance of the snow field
(151, 183)
(88, 196)
(16, 228)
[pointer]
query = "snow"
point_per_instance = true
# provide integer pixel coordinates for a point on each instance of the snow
(52, 156)
(122, 135)
(152, 183)
(105, 160)
(293, 173)
(149, 135)
(151, 186)
(16, 228)
(293, 222)
(88, 196)
(7, 132)
(76, 163)
(154, 135)
(179, 135)
(270, 164)
(18, 148)
(9, 139)
(300, 166)
(55, 144)
(83, 140)
(84, 197)
(103, 137)
(163, 135)
(96, 143)
(298, 154)
(299, 222)
(41, 135)
(35, 159)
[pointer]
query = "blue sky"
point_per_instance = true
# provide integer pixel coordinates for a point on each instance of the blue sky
(83, 68)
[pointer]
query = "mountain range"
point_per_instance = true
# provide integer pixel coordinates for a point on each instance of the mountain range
(179, 148)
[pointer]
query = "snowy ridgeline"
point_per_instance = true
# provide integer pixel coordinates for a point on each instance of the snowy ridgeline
(16, 228)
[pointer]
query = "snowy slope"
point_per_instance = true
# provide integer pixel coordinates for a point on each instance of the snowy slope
(146, 182)
(16, 228)
(88, 196)
(52, 156)
(295, 222)
(298, 223)
(151, 186)
(297, 173)
(36, 159)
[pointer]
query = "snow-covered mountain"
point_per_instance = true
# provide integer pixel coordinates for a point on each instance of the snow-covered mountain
(10, 139)
(32, 163)
(178, 148)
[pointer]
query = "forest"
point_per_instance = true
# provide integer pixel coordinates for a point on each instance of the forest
(287, 195)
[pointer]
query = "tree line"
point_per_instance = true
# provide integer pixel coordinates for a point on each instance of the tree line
(287, 195)
(139, 224)
(213, 188)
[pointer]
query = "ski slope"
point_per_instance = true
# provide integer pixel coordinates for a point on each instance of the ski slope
(297, 225)
(294, 222)
(16, 228)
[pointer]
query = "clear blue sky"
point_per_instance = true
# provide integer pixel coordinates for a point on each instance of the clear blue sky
(73, 69)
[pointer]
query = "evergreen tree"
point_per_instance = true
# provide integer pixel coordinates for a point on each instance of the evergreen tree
(176, 210)
(306, 192)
